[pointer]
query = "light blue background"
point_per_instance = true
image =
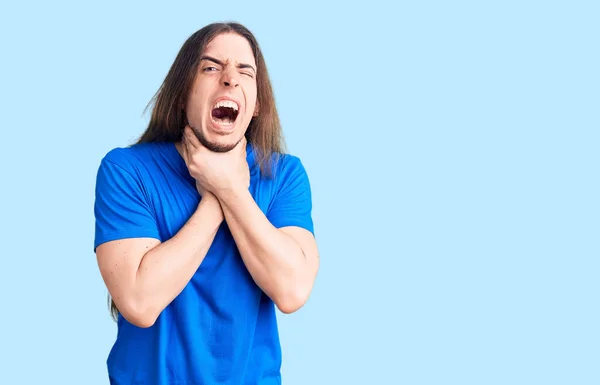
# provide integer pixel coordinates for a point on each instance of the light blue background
(453, 153)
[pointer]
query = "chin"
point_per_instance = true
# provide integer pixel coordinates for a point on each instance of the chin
(224, 127)
(218, 142)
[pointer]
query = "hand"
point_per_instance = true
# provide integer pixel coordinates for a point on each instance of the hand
(185, 149)
(215, 172)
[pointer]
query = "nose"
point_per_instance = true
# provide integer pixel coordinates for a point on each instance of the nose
(230, 78)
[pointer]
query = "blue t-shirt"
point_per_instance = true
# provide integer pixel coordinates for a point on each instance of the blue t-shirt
(221, 329)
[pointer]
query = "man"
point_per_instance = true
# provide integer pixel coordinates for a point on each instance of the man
(204, 225)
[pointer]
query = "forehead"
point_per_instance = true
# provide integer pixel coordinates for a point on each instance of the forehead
(230, 47)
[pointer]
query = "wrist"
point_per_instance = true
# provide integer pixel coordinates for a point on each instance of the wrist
(231, 192)
(211, 206)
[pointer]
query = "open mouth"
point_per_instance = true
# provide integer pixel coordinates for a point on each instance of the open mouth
(225, 112)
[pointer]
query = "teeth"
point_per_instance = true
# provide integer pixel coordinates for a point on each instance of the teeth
(224, 122)
(227, 103)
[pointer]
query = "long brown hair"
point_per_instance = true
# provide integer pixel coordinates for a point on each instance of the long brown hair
(168, 118)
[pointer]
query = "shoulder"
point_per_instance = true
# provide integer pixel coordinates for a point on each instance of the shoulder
(130, 158)
(131, 166)
(289, 173)
(286, 165)
(276, 167)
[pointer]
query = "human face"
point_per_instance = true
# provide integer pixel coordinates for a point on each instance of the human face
(223, 97)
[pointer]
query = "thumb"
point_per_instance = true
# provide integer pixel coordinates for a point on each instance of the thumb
(242, 146)
(184, 151)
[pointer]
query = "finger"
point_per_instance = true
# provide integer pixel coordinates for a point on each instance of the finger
(242, 146)
(184, 150)
(184, 144)
(190, 137)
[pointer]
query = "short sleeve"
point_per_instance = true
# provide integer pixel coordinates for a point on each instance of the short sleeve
(292, 204)
(121, 208)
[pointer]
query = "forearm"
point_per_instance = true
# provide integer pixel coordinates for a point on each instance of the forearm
(166, 269)
(275, 260)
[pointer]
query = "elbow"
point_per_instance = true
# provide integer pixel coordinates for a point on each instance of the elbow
(141, 321)
(289, 308)
(139, 315)
(294, 293)
(292, 300)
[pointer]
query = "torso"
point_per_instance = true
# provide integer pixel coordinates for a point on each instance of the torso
(221, 327)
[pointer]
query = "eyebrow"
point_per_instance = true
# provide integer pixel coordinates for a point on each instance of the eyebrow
(219, 62)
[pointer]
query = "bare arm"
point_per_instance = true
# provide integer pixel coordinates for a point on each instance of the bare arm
(143, 275)
(283, 262)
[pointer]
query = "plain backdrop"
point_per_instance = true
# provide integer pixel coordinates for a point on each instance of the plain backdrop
(452, 149)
